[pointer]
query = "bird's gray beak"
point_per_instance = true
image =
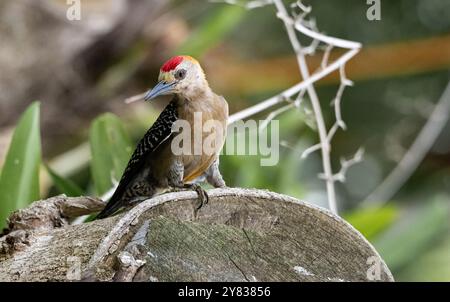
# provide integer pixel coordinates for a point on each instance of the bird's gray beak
(162, 88)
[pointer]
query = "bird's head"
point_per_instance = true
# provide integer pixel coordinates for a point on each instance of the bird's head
(180, 75)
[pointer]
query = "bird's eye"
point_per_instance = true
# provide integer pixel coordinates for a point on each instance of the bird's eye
(180, 74)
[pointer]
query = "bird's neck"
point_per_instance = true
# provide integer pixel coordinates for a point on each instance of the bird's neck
(194, 94)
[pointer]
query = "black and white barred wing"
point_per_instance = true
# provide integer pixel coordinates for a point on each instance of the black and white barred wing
(157, 134)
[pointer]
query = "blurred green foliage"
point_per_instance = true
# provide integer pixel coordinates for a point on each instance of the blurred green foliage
(373, 220)
(111, 149)
(64, 185)
(419, 230)
(212, 31)
(432, 265)
(19, 180)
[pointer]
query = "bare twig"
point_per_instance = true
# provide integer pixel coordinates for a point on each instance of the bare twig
(326, 56)
(336, 42)
(346, 164)
(266, 104)
(337, 105)
(310, 150)
(294, 22)
(325, 146)
(416, 153)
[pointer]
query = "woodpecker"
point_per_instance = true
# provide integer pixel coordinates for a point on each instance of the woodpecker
(154, 166)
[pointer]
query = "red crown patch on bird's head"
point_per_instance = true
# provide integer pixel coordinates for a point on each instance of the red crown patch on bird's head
(173, 62)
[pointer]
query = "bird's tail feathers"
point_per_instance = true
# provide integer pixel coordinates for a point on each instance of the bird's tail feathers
(111, 207)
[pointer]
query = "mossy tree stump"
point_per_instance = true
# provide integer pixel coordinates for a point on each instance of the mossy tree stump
(241, 235)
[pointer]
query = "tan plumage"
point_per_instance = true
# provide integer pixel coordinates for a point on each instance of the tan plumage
(154, 167)
(215, 108)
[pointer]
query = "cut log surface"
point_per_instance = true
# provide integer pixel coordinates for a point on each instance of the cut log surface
(240, 235)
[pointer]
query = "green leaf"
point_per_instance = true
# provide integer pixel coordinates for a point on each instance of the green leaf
(19, 181)
(213, 30)
(372, 221)
(65, 186)
(414, 233)
(110, 150)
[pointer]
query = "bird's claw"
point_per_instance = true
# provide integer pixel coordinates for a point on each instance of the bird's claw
(203, 197)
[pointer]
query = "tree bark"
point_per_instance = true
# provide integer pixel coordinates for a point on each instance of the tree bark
(240, 235)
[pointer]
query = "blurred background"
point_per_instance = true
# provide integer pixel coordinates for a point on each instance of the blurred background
(82, 71)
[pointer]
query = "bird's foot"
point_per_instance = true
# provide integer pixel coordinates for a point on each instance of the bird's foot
(203, 197)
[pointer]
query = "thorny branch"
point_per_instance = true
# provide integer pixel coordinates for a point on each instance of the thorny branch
(346, 164)
(297, 22)
(277, 99)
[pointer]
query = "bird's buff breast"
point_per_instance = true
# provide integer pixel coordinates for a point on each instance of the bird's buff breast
(196, 164)
(206, 142)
